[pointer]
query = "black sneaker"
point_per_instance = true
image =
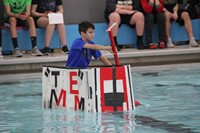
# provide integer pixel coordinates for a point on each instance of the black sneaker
(47, 51)
(140, 45)
(118, 47)
(65, 50)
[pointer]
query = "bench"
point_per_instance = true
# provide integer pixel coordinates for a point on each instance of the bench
(126, 35)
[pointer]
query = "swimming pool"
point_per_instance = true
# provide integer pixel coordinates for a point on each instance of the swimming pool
(170, 99)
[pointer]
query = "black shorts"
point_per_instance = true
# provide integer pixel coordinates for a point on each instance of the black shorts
(125, 19)
(20, 23)
(180, 11)
(179, 20)
(35, 20)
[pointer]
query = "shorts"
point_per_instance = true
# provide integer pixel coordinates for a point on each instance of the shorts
(20, 23)
(179, 20)
(180, 11)
(125, 19)
(35, 20)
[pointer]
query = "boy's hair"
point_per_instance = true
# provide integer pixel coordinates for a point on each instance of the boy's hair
(84, 26)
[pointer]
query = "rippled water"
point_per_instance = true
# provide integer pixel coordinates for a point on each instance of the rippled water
(170, 101)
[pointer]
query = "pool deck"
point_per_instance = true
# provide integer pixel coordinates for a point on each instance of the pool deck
(178, 55)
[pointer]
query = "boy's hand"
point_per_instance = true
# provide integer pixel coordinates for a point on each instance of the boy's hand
(23, 16)
(175, 16)
(109, 48)
(46, 14)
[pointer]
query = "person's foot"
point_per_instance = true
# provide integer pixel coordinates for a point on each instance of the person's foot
(118, 48)
(151, 46)
(65, 50)
(193, 43)
(161, 45)
(47, 51)
(17, 53)
(1, 53)
(36, 52)
(170, 45)
(140, 45)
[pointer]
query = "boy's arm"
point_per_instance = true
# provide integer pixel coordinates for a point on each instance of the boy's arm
(97, 47)
(9, 13)
(35, 13)
(28, 10)
(175, 9)
(105, 60)
(60, 9)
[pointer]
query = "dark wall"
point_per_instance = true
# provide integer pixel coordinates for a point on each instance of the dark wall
(80, 10)
(1, 12)
(76, 11)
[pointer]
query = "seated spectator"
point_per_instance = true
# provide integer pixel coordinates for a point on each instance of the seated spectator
(83, 48)
(153, 11)
(17, 13)
(40, 10)
(180, 15)
(125, 12)
(193, 7)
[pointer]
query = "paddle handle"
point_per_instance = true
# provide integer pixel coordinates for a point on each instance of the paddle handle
(109, 30)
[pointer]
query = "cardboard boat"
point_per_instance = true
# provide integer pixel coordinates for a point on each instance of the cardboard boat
(99, 89)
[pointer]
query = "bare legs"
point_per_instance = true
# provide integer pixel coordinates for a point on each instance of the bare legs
(137, 19)
(43, 22)
(115, 18)
(187, 23)
(188, 26)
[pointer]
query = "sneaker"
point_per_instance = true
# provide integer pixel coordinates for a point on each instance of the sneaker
(140, 45)
(46, 51)
(65, 50)
(170, 45)
(161, 45)
(36, 52)
(1, 53)
(193, 43)
(17, 53)
(118, 48)
(151, 46)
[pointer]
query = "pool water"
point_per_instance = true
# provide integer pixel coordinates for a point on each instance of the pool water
(170, 104)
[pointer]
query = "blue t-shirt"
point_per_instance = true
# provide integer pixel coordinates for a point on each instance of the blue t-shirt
(80, 57)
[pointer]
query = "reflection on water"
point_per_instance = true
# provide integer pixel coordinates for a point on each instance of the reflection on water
(66, 121)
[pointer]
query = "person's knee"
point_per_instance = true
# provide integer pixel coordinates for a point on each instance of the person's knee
(30, 20)
(185, 16)
(114, 17)
(12, 20)
(139, 16)
(42, 22)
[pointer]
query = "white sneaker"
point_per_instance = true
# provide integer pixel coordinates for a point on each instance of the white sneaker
(17, 53)
(36, 52)
(170, 45)
(1, 53)
(193, 43)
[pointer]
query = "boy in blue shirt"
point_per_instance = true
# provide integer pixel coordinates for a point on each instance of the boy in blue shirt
(83, 48)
